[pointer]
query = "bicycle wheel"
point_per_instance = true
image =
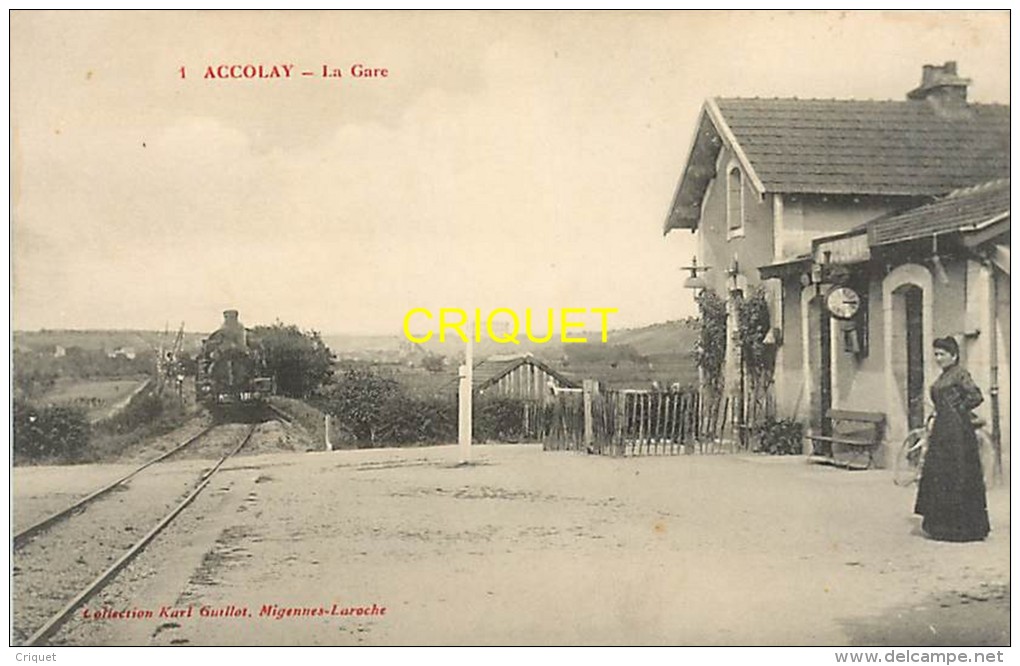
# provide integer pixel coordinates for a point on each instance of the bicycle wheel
(909, 458)
(986, 450)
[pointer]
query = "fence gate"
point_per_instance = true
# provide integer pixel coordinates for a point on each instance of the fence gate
(644, 422)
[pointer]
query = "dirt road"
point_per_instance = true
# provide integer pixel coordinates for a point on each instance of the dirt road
(393, 547)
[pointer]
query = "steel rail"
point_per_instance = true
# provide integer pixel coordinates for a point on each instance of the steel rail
(280, 414)
(22, 537)
(62, 615)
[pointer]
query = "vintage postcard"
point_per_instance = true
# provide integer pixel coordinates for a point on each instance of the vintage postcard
(505, 328)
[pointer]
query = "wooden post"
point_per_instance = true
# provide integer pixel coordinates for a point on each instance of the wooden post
(588, 387)
(668, 427)
(687, 426)
(646, 422)
(656, 421)
(640, 409)
(649, 433)
(677, 427)
(664, 413)
(695, 422)
(624, 427)
(678, 420)
(329, 443)
(694, 434)
(619, 416)
(721, 429)
(993, 368)
(710, 408)
(598, 411)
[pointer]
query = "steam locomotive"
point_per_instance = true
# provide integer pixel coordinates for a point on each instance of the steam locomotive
(231, 374)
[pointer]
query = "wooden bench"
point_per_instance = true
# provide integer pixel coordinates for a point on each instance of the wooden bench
(858, 432)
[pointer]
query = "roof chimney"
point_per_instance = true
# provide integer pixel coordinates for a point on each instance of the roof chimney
(941, 86)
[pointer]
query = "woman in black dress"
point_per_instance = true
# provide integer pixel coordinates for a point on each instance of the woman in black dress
(951, 494)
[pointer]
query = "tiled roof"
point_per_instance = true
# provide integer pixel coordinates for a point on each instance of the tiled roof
(492, 369)
(967, 209)
(868, 147)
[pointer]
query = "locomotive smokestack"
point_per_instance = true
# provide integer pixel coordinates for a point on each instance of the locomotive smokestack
(232, 331)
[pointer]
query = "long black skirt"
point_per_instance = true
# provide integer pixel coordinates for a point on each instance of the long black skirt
(951, 493)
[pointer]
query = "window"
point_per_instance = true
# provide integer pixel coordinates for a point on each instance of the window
(734, 202)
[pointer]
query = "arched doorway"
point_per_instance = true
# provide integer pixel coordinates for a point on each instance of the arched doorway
(907, 311)
(907, 352)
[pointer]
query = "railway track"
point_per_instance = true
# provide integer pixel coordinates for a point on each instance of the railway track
(22, 537)
(36, 533)
(280, 414)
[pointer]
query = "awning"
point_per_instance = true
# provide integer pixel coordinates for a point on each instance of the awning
(788, 268)
(850, 248)
(1000, 257)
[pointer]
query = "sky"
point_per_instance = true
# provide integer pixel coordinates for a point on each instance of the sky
(508, 159)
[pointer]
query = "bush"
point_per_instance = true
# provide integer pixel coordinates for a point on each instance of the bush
(377, 411)
(499, 418)
(781, 437)
(32, 375)
(359, 399)
(407, 419)
(54, 434)
(146, 415)
(145, 407)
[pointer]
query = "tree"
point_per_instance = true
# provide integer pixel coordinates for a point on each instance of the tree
(300, 361)
(33, 374)
(434, 362)
(360, 399)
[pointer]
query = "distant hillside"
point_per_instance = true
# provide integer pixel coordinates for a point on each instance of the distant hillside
(636, 357)
(630, 358)
(46, 340)
(670, 337)
(342, 343)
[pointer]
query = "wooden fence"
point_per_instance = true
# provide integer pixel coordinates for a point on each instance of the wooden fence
(638, 422)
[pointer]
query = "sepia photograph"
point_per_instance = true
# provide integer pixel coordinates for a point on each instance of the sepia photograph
(511, 328)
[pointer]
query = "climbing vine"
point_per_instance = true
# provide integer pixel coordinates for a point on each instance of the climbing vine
(753, 326)
(755, 410)
(757, 357)
(711, 346)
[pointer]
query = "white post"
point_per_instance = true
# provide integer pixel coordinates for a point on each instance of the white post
(464, 412)
(329, 443)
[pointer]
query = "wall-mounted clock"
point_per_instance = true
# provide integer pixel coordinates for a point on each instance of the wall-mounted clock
(843, 302)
